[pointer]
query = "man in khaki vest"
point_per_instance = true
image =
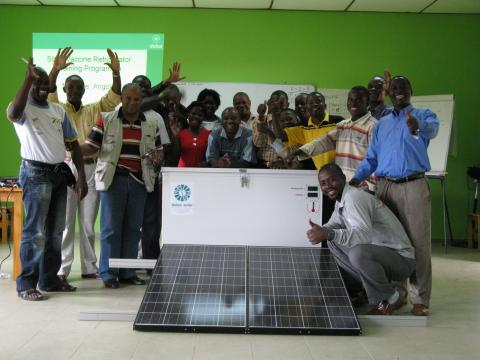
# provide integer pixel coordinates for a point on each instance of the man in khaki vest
(83, 117)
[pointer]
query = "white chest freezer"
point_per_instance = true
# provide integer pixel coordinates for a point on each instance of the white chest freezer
(257, 207)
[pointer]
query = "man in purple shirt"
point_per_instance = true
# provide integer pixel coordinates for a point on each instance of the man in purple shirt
(398, 156)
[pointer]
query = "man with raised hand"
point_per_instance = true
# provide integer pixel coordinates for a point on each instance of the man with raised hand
(44, 131)
(83, 117)
(398, 156)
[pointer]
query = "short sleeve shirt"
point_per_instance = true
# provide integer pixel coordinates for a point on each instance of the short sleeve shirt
(43, 131)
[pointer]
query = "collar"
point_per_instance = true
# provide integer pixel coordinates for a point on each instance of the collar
(326, 119)
(237, 135)
(141, 116)
(408, 108)
(31, 101)
(346, 189)
(360, 119)
(72, 108)
(379, 106)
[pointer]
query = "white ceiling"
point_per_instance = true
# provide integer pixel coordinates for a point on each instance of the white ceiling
(409, 6)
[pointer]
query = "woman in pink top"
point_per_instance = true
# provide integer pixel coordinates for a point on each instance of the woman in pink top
(191, 142)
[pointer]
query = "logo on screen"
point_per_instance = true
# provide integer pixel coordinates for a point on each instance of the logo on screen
(156, 42)
(182, 192)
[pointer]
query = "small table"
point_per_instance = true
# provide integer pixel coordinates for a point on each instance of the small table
(14, 195)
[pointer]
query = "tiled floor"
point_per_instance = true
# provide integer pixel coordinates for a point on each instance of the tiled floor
(50, 329)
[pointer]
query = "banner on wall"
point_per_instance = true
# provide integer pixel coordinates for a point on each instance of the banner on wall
(139, 54)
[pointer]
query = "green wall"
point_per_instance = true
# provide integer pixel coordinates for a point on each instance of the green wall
(439, 53)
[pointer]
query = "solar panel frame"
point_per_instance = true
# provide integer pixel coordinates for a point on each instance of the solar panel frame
(310, 278)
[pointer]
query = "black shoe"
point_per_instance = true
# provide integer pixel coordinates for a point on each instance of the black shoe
(91, 276)
(135, 280)
(111, 284)
(62, 286)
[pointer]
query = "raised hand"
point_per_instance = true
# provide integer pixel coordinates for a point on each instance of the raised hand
(262, 109)
(31, 74)
(61, 59)
(412, 123)
(387, 76)
(175, 73)
(114, 63)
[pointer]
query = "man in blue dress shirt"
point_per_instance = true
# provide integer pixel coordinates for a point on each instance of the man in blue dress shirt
(398, 156)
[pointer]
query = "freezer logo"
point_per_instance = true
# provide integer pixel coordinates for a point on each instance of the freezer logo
(182, 192)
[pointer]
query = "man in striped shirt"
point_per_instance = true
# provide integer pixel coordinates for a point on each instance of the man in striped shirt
(350, 138)
(127, 143)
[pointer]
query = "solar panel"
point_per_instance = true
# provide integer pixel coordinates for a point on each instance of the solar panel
(196, 287)
(247, 289)
(298, 290)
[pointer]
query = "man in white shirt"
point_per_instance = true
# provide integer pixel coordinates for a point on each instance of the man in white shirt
(44, 131)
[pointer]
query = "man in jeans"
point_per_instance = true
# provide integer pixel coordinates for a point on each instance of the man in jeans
(44, 130)
(126, 142)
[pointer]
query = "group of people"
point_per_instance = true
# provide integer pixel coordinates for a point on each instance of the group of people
(119, 143)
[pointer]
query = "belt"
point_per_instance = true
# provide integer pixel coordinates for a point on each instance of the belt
(42, 165)
(125, 172)
(89, 161)
(404, 179)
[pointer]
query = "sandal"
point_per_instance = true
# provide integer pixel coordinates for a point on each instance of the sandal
(31, 295)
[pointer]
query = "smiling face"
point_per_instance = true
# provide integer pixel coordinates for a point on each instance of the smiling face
(230, 121)
(316, 106)
(331, 184)
(357, 104)
(74, 88)
(195, 117)
(400, 92)
(242, 103)
(40, 87)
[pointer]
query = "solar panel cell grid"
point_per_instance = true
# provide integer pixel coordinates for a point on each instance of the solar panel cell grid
(195, 286)
(201, 287)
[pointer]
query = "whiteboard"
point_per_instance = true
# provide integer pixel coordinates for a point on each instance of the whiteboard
(442, 105)
(258, 93)
(336, 100)
(216, 207)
